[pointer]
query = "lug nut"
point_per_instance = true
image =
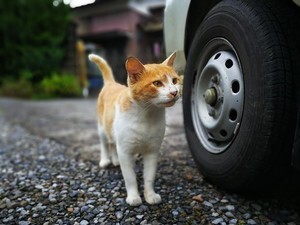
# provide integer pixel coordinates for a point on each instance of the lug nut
(210, 96)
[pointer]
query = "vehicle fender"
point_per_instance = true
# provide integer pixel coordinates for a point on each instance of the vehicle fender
(175, 20)
(197, 11)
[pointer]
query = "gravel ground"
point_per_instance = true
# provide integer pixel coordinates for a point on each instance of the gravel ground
(50, 175)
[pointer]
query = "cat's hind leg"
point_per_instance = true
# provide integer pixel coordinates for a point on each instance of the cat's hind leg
(104, 148)
(114, 155)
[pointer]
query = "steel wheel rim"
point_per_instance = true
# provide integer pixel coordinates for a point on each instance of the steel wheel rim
(217, 96)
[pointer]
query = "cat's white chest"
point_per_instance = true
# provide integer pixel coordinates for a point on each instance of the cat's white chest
(139, 131)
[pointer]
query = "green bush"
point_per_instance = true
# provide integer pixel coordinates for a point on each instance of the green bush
(54, 86)
(60, 86)
(17, 89)
(33, 37)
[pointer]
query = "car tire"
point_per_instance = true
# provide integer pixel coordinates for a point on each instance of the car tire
(238, 99)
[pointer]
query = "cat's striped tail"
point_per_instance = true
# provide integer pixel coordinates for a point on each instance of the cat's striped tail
(104, 68)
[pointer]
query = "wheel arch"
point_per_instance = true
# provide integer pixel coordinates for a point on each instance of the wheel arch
(197, 12)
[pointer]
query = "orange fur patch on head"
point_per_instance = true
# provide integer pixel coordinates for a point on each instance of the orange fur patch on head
(134, 69)
(143, 89)
(170, 60)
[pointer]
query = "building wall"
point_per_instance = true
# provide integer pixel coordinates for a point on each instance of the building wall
(117, 33)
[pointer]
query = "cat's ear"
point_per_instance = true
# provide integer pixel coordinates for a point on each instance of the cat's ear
(134, 68)
(170, 60)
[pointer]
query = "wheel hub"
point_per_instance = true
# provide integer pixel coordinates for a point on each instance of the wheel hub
(217, 101)
(210, 96)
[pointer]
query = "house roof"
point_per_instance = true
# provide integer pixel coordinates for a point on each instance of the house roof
(144, 7)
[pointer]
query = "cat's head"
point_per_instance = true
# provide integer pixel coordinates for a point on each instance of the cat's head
(154, 84)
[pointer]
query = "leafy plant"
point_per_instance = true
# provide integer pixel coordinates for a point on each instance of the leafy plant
(60, 86)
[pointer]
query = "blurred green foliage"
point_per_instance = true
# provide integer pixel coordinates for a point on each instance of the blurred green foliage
(54, 86)
(32, 34)
(60, 86)
(17, 88)
(32, 47)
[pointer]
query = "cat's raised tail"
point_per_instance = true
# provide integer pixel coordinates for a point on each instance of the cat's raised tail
(104, 68)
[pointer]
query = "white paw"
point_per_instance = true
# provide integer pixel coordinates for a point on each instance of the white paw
(153, 198)
(134, 200)
(115, 162)
(104, 163)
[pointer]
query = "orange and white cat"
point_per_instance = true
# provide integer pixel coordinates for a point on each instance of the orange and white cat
(131, 119)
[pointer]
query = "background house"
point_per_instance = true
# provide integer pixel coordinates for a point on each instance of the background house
(116, 29)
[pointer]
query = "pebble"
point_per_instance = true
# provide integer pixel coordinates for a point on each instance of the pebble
(8, 219)
(119, 215)
(208, 204)
(198, 198)
(39, 187)
(251, 222)
(52, 198)
(229, 214)
(230, 207)
(233, 221)
(224, 200)
(84, 222)
(247, 216)
(23, 223)
(144, 222)
(175, 213)
(140, 217)
(218, 221)
(215, 214)
(256, 207)
(84, 208)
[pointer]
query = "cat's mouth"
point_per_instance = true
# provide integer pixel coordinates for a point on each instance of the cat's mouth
(168, 103)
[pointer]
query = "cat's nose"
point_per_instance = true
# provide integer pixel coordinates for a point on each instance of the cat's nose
(174, 93)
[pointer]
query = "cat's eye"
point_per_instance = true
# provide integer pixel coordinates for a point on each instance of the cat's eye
(175, 80)
(157, 83)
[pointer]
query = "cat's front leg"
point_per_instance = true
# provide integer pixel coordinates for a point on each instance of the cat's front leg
(150, 164)
(127, 166)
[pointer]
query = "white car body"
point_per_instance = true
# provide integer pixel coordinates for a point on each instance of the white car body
(175, 20)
